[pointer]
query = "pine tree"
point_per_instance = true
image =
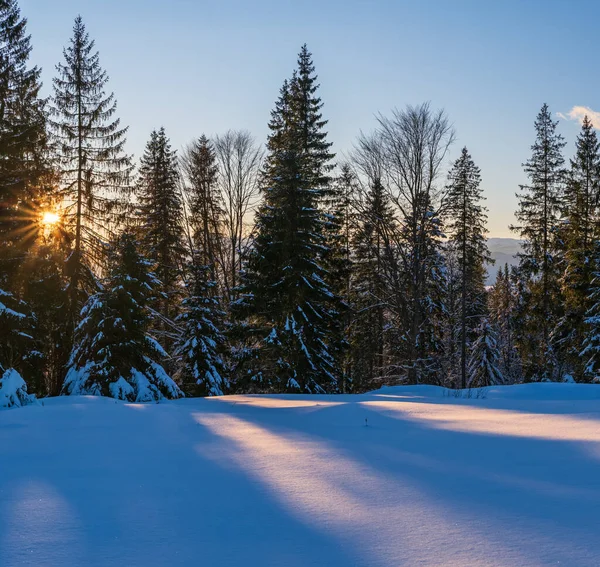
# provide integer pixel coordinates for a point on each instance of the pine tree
(580, 235)
(161, 215)
(590, 353)
(46, 297)
(337, 262)
(372, 251)
(14, 324)
(199, 349)
(538, 216)
(113, 353)
(200, 167)
(288, 302)
(466, 229)
(502, 301)
(483, 367)
(423, 277)
(24, 168)
(94, 166)
(451, 319)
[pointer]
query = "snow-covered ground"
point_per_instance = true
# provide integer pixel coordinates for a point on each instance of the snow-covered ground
(402, 476)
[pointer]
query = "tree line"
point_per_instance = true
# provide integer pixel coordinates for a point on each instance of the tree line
(232, 268)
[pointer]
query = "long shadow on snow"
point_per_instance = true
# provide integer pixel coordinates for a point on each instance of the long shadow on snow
(550, 489)
(117, 508)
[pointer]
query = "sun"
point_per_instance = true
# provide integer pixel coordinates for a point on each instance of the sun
(50, 218)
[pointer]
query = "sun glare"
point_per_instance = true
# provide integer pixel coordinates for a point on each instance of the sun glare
(49, 218)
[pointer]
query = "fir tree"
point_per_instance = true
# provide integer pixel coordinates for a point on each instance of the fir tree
(14, 338)
(200, 167)
(420, 313)
(24, 167)
(289, 304)
(372, 251)
(590, 353)
(46, 297)
(161, 216)
(483, 369)
(538, 217)
(580, 235)
(502, 301)
(95, 169)
(337, 261)
(466, 231)
(113, 353)
(199, 348)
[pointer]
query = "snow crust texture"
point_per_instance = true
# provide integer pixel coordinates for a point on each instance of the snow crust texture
(400, 477)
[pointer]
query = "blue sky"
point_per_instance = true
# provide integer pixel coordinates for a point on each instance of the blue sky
(197, 67)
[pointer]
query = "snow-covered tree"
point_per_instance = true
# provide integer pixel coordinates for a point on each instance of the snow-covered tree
(590, 353)
(580, 233)
(198, 351)
(14, 343)
(466, 231)
(414, 145)
(369, 289)
(113, 354)
(483, 368)
(538, 218)
(13, 390)
(288, 302)
(503, 302)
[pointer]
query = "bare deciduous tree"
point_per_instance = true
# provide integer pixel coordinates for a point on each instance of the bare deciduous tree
(239, 159)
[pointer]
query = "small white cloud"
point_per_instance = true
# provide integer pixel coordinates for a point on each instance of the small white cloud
(579, 112)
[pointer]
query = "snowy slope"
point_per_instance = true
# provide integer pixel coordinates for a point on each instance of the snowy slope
(509, 480)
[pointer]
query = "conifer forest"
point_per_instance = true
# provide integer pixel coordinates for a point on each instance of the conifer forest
(236, 265)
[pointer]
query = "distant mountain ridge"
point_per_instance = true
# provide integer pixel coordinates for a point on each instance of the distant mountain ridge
(503, 251)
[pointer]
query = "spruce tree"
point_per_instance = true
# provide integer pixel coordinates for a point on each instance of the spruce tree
(46, 297)
(580, 235)
(24, 167)
(372, 250)
(92, 160)
(198, 351)
(502, 301)
(420, 313)
(483, 369)
(201, 171)
(161, 216)
(538, 217)
(288, 301)
(113, 354)
(466, 230)
(590, 353)
(337, 261)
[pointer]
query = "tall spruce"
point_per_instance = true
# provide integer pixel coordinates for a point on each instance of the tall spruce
(466, 231)
(24, 167)
(114, 354)
(92, 160)
(161, 216)
(289, 304)
(538, 218)
(580, 234)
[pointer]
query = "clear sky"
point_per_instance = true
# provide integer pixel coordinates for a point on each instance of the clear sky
(204, 67)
